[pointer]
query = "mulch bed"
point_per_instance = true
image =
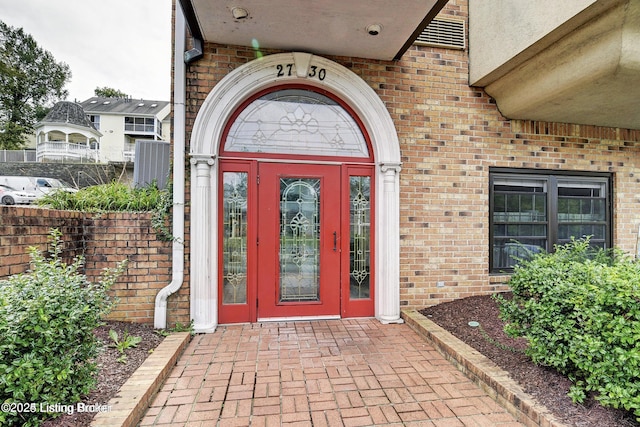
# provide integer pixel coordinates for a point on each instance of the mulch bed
(112, 374)
(547, 386)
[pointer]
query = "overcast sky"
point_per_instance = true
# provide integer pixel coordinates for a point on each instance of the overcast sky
(123, 44)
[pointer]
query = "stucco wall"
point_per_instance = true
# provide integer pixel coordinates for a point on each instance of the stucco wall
(500, 30)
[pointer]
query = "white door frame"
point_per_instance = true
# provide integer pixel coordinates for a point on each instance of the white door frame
(221, 103)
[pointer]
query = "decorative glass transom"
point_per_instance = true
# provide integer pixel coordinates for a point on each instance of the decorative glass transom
(296, 121)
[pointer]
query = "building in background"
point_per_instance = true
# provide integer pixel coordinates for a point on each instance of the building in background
(65, 134)
(123, 121)
(103, 130)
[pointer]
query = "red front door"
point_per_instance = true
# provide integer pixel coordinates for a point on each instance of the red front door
(295, 241)
(299, 240)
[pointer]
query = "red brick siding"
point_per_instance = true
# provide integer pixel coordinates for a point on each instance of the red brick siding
(23, 227)
(104, 240)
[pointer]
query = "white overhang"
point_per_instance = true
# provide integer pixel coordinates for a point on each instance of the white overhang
(584, 71)
(376, 29)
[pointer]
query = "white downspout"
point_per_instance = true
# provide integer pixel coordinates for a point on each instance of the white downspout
(177, 276)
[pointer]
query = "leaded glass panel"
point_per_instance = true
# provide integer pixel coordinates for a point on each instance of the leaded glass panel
(299, 239)
(360, 236)
(296, 121)
(234, 246)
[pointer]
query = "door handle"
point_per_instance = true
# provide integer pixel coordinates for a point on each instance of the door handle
(335, 241)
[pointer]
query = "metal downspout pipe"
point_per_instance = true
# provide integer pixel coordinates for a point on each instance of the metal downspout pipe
(177, 276)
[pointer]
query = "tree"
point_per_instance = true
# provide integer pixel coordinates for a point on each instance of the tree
(30, 78)
(109, 92)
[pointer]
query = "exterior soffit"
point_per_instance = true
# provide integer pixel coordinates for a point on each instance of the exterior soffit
(590, 75)
(376, 29)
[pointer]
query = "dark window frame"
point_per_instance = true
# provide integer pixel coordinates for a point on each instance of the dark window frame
(551, 178)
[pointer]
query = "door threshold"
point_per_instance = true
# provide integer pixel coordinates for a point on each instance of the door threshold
(298, 318)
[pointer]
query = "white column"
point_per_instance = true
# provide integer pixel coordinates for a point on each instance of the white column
(204, 302)
(388, 278)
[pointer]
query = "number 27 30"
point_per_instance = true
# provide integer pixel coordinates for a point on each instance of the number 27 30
(314, 71)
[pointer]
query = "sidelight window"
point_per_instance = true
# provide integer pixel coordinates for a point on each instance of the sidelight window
(234, 229)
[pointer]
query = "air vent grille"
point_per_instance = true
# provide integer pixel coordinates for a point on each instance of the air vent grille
(443, 33)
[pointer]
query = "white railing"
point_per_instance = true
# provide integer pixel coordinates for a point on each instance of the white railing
(17, 156)
(129, 155)
(60, 150)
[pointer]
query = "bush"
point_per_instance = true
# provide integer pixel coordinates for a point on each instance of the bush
(47, 318)
(580, 311)
(118, 197)
(113, 197)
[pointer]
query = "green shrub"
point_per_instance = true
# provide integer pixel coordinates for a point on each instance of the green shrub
(580, 311)
(113, 197)
(47, 318)
(118, 197)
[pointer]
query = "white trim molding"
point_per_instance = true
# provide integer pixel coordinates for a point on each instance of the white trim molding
(388, 255)
(225, 98)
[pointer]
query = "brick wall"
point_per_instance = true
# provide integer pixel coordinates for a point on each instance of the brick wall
(104, 240)
(22, 228)
(450, 135)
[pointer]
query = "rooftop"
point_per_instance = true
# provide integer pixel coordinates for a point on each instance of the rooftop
(69, 113)
(103, 105)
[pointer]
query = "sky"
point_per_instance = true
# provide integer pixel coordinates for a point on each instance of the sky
(121, 44)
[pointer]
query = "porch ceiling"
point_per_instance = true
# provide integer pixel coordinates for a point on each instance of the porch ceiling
(327, 27)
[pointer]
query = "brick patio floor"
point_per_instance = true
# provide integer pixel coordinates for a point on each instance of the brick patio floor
(319, 373)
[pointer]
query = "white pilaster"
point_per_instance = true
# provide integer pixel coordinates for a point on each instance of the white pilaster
(388, 245)
(204, 301)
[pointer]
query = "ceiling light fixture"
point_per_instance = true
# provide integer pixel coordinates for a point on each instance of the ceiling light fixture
(374, 29)
(239, 13)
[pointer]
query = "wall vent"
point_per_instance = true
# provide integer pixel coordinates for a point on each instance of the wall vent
(443, 33)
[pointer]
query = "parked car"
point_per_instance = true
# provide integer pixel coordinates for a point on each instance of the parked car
(36, 185)
(11, 196)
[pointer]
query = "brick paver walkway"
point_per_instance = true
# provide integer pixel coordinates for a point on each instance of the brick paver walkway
(319, 373)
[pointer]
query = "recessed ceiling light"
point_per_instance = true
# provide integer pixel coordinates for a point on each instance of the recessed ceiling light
(239, 13)
(374, 29)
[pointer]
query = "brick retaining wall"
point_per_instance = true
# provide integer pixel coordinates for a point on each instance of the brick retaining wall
(104, 240)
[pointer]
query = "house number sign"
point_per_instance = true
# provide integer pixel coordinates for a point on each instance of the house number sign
(314, 72)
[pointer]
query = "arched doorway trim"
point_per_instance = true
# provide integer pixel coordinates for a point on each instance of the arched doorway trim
(221, 103)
